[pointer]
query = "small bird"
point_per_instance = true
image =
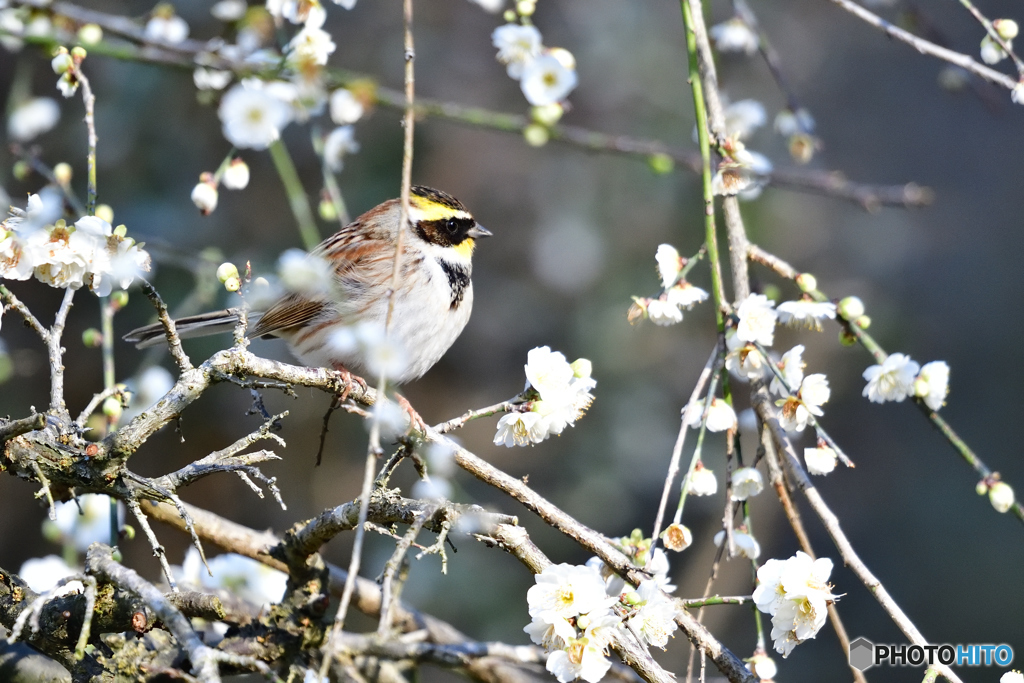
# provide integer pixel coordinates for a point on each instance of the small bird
(431, 305)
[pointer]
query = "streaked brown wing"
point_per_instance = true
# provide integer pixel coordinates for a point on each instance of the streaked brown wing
(291, 311)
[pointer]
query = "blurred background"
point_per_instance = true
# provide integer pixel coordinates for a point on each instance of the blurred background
(574, 237)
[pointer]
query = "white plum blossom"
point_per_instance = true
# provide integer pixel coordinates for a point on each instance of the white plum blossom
(685, 295)
(663, 313)
(743, 360)
(893, 380)
(797, 410)
(564, 391)
(763, 666)
(310, 47)
(580, 659)
(566, 591)
(337, 145)
(229, 10)
(703, 481)
(172, 29)
(87, 253)
(757, 316)
(820, 460)
(205, 196)
(796, 593)
(84, 522)
(519, 429)
(670, 263)
(932, 384)
(744, 117)
(517, 45)
(1012, 677)
(241, 576)
(43, 573)
(657, 566)
(345, 107)
(654, 622)
(32, 118)
(788, 122)
(734, 36)
(746, 483)
(792, 368)
(492, 6)
(211, 79)
(307, 274)
(721, 416)
(808, 314)
(253, 119)
(745, 544)
(547, 79)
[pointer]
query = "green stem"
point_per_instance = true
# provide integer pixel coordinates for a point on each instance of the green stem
(717, 600)
(109, 377)
(297, 198)
(700, 109)
(695, 458)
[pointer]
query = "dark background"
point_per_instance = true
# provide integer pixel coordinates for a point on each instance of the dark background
(574, 236)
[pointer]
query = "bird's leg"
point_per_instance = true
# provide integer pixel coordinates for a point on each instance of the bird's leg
(348, 378)
(414, 418)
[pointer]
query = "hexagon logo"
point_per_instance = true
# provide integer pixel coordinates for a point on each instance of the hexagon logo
(862, 654)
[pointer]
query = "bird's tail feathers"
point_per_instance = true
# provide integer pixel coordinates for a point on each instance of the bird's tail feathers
(201, 325)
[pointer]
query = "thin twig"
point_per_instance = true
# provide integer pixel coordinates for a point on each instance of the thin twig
(459, 422)
(994, 34)
(388, 590)
(90, 123)
(173, 340)
(927, 47)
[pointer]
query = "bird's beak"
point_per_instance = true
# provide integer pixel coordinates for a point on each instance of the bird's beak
(479, 231)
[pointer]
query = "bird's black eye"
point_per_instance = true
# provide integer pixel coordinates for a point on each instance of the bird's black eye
(452, 226)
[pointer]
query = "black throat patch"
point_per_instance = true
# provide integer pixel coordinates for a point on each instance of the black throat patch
(458, 280)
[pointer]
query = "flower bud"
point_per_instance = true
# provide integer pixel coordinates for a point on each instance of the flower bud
(1006, 28)
(631, 598)
(21, 170)
(851, 308)
(62, 173)
(119, 299)
(582, 367)
(232, 284)
(1001, 496)
(78, 53)
(547, 115)
(61, 62)
(327, 210)
(92, 338)
(526, 8)
(106, 212)
(536, 135)
(982, 488)
(112, 408)
(863, 322)
(510, 16)
(226, 271)
(90, 34)
(806, 282)
(847, 338)
(582, 622)
(127, 532)
(661, 164)
(236, 175)
(204, 196)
